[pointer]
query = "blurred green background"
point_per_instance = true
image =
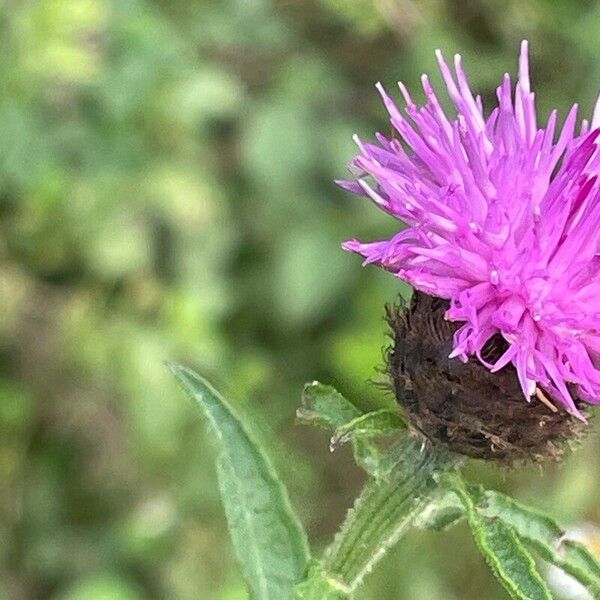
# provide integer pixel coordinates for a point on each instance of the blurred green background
(166, 191)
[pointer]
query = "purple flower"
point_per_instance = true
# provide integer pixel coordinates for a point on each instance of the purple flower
(502, 219)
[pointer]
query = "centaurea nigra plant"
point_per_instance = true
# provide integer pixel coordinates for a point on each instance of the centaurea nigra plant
(496, 357)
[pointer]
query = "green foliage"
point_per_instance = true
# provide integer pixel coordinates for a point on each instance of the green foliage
(269, 541)
(422, 489)
(537, 531)
(509, 560)
(325, 407)
(387, 505)
(506, 555)
(544, 537)
(102, 587)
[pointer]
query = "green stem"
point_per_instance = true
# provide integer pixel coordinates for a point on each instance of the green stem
(382, 513)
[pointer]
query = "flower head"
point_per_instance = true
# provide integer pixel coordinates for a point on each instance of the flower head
(462, 405)
(502, 220)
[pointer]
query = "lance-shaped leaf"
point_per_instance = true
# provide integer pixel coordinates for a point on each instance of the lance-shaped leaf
(267, 536)
(511, 563)
(540, 533)
(545, 537)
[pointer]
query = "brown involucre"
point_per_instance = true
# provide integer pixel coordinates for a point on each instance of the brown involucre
(464, 406)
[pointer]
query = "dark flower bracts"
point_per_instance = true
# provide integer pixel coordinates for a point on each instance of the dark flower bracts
(463, 405)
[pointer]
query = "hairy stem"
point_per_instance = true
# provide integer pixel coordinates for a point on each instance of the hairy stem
(382, 513)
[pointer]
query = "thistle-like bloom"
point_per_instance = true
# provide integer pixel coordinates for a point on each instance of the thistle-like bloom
(502, 220)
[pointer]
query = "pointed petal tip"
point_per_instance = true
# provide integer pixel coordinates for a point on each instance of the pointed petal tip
(345, 184)
(357, 141)
(572, 409)
(351, 246)
(596, 114)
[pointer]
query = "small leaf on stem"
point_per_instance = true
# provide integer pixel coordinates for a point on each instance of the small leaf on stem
(323, 406)
(373, 424)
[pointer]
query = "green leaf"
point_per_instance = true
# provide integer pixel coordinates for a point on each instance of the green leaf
(323, 406)
(373, 424)
(544, 536)
(267, 536)
(506, 555)
(541, 534)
